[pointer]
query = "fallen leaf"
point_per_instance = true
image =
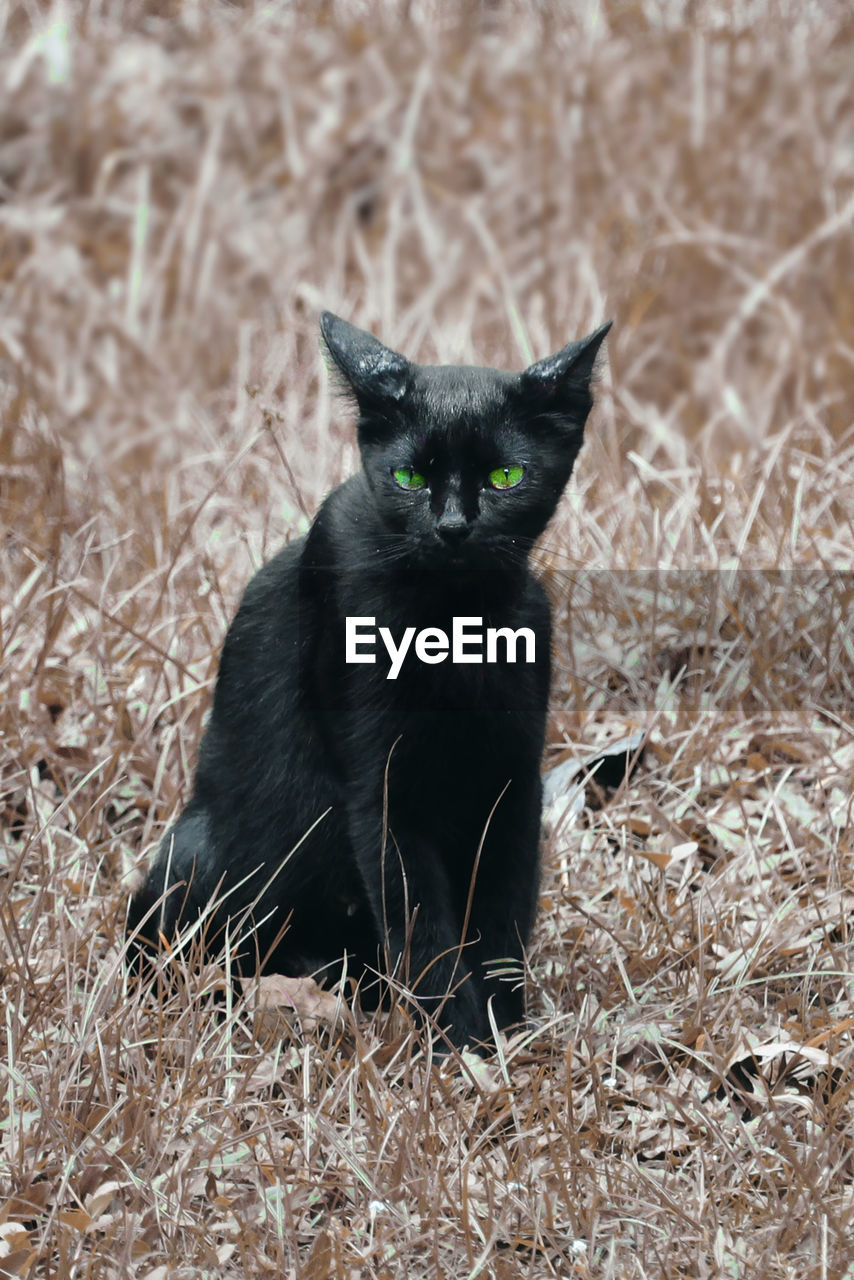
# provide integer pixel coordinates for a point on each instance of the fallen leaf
(678, 853)
(78, 1219)
(280, 997)
(102, 1198)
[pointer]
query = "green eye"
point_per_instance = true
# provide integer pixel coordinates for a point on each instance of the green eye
(407, 478)
(506, 477)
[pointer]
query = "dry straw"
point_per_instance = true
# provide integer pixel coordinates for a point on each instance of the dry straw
(183, 186)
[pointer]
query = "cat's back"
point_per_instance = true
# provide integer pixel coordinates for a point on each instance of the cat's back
(262, 738)
(275, 632)
(260, 654)
(270, 588)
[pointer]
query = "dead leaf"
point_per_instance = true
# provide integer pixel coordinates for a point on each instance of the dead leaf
(27, 1204)
(318, 1264)
(12, 1239)
(658, 859)
(100, 1199)
(16, 1263)
(280, 999)
(678, 853)
(77, 1219)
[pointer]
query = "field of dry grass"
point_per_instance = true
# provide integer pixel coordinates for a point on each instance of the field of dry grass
(183, 187)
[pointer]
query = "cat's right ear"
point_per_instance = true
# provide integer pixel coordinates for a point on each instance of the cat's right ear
(372, 371)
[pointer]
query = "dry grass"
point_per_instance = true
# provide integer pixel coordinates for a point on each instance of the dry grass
(182, 188)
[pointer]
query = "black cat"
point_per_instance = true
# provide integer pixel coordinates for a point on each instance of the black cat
(345, 808)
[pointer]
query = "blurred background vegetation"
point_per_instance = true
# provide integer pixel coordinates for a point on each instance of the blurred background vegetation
(185, 185)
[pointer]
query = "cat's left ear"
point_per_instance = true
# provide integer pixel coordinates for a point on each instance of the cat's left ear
(373, 371)
(569, 372)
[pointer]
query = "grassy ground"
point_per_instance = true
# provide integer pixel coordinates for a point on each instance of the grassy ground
(183, 186)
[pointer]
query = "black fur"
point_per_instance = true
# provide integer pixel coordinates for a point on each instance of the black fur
(340, 812)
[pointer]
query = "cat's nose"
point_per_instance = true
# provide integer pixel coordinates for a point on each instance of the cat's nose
(453, 527)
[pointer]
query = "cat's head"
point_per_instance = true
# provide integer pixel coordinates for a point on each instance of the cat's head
(464, 463)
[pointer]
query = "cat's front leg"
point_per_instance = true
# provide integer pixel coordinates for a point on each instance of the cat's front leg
(504, 900)
(417, 921)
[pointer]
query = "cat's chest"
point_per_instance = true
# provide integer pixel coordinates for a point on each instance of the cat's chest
(446, 713)
(412, 637)
(466, 664)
